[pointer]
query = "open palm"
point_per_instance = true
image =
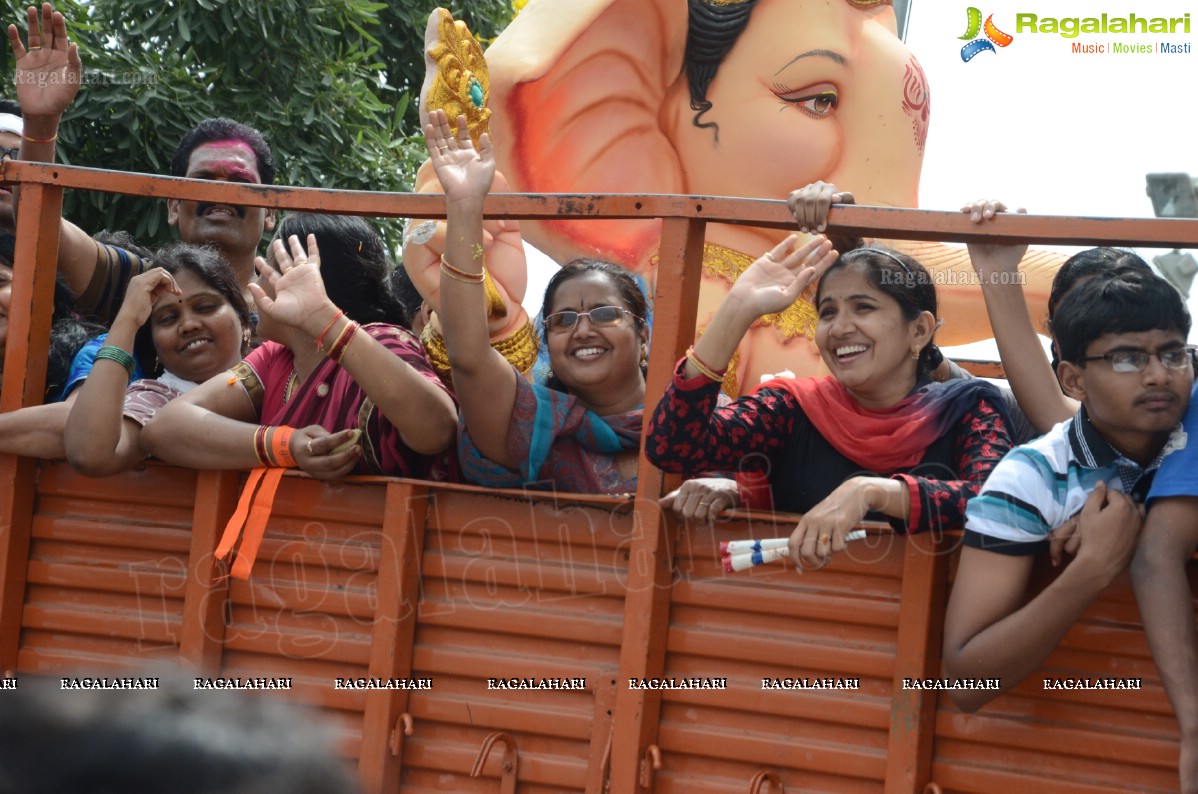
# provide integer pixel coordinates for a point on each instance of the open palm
(463, 171)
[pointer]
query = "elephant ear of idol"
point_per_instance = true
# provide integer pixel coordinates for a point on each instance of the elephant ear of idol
(578, 89)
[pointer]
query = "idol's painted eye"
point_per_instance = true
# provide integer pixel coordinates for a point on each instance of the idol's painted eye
(817, 101)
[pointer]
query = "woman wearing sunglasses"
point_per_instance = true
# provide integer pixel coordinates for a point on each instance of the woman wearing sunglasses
(580, 431)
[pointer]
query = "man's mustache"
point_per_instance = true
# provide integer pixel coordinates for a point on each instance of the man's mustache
(203, 207)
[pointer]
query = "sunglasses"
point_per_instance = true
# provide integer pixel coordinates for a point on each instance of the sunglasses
(600, 317)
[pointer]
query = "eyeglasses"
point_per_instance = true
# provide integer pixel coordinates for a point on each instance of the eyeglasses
(8, 154)
(600, 317)
(1137, 360)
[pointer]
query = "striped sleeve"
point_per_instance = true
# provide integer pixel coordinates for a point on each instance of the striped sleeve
(1020, 503)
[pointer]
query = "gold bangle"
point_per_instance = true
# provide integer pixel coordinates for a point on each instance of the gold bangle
(461, 275)
(51, 139)
(704, 370)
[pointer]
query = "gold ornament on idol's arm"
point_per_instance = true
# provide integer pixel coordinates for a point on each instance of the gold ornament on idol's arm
(461, 84)
(457, 81)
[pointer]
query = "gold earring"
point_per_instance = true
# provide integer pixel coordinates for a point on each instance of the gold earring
(915, 354)
(644, 355)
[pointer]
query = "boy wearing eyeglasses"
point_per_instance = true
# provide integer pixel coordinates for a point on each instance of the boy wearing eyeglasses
(1124, 357)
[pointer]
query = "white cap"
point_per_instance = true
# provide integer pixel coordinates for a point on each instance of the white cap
(11, 123)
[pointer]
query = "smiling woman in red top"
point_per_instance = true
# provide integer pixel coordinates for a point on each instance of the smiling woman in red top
(877, 437)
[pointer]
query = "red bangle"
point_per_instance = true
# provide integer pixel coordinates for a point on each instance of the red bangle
(337, 351)
(260, 445)
(320, 338)
(280, 447)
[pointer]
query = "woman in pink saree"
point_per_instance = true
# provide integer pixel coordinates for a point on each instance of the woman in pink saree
(340, 387)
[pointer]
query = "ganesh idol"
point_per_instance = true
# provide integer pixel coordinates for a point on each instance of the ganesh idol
(749, 98)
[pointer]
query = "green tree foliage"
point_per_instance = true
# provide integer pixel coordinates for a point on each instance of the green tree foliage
(332, 84)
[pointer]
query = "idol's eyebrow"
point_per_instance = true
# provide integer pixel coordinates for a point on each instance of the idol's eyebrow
(835, 56)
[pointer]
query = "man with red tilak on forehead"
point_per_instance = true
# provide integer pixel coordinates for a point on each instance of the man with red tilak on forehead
(48, 73)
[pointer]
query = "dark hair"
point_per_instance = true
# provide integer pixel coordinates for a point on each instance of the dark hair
(211, 268)
(210, 130)
(900, 277)
(11, 106)
(1126, 303)
(122, 239)
(174, 739)
(1082, 266)
(354, 265)
(405, 292)
(1091, 262)
(712, 30)
(630, 292)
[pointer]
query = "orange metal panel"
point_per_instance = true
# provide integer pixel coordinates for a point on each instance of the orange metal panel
(481, 616)
(404, 516)
(24, 379)
(921, 632)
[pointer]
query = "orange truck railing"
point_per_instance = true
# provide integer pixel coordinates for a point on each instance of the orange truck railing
(458, 585)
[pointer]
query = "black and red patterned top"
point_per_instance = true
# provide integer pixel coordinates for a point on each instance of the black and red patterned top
(767, 431)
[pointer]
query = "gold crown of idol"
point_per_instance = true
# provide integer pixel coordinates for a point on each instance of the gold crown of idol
(462, 84)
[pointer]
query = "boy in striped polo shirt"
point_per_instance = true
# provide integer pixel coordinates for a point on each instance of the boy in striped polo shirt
(1122, 343)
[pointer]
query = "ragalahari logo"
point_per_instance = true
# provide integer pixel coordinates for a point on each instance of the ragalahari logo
(992, 36)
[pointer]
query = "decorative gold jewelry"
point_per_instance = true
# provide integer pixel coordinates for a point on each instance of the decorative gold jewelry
(462, 82)
(704, 370)
(495, 304)
(520, 348)
(799, 318)
(434, 348)
(915, 354)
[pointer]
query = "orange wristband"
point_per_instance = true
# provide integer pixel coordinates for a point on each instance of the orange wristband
(280, 447)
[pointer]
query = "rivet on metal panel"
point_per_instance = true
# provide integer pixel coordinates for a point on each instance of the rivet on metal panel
(649, 764)
(404, 720)
(511, 760)
(765, 779)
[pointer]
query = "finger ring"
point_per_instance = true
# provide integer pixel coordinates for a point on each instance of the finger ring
(31, 49)
(770, 256)
(704, 504)
(310, 452)
(824, 538)
(300, 261)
